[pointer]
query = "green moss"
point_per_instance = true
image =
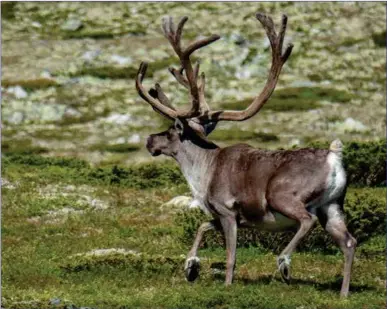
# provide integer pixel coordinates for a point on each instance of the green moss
(295, 99)
(8, 9)
(21, 147)
(30, 84)
(235, 134)
(107, 72)
(95, 33)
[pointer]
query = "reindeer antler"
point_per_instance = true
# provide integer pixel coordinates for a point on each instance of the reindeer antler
(199, 108)
(278, 60)
(156, 97)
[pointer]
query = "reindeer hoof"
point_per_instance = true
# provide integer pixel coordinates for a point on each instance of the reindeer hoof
(285, 272)
(191, 269)
(283, 263)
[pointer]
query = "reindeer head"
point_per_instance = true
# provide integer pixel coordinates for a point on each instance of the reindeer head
(197, 122)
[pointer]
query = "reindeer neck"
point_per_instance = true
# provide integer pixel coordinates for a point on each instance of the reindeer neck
(196, 164)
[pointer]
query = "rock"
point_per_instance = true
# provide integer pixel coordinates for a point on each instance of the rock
(102, 252)
(351, 125)
(134, 139)
(72, 25)
(238, 39)
(16, 118)
(119, 118)
(35, 24)
(18, 92)
(46, 74)
(179, 201)
(91, 55)
(98, 204)
(294, 142)
(7, 184)
(72, 113)
(121, 60)
(302, 83)
(243, 74)
(55, 301)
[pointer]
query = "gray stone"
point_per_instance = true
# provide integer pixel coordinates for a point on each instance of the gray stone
(121, 60)
(352, 126)
(72, 25)
(16, 118)
(18, 92)
(91, 55)
(134, 139)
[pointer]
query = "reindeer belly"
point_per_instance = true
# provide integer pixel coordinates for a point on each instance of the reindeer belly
(270, 221)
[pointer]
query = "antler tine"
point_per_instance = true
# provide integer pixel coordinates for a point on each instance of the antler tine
(159, 94)
(178, 74)
(278, 60)
(179, 31)
(201, 43)
(281, 35)
(202, 99)
(156, 105)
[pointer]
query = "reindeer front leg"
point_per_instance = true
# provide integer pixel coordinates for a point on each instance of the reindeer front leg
(229, 225)
(192, 263)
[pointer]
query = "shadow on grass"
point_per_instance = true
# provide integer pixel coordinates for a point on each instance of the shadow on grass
(333, 285)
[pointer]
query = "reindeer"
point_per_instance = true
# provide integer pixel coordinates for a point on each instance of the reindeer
(239, 185)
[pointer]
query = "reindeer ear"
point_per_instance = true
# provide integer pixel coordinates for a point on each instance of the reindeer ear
(179, 126)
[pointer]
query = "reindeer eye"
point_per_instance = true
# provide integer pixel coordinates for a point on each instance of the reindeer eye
(168, 135)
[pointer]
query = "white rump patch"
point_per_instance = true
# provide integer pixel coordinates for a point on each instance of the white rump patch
(336, 179)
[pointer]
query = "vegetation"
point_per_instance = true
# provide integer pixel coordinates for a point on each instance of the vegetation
(30, 84)
(98, 233)
(295, 99)
(149, 241)
(236, 134)
(122, 72)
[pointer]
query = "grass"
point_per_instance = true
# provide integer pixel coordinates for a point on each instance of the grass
(295, 99)
(236, 134)
(41, 265)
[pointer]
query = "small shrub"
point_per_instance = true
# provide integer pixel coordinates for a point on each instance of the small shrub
(379, 38)
(36, 160)
(119, 148)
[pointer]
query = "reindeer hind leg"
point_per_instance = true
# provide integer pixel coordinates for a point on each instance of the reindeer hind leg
(332, 220)
(291, 207)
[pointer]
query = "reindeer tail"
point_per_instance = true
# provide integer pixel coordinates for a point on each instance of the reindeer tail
(336, 147)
